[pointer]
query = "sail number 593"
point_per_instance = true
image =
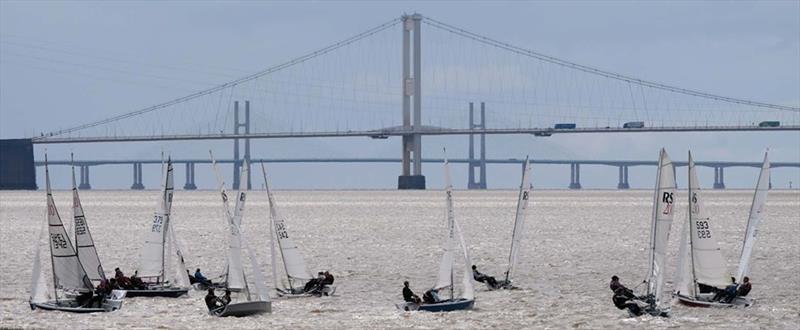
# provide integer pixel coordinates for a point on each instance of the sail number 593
(703, 230)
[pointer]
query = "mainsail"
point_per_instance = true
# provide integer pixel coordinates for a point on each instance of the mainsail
(708, 265)
(235, 274)
(68, 272)
(87, 253)
(445, 278)
(756, 214)
(293, 262)
(660, 225)
(153, 251)
(519, 219)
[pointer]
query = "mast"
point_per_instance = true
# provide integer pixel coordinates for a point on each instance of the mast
(689, 223)
(519, 219)
(754, 218)
(651, 255)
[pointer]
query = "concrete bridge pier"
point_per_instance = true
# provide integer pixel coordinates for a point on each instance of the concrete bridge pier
(719, 178)
(84, 178)
(137, 177)
(474, 163)
(575, 176)
(189, 177)
(623, 178)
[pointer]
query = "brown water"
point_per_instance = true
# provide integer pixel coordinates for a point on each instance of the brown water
(373, 240)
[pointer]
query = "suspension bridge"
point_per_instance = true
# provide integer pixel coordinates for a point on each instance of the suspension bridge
(377, 83)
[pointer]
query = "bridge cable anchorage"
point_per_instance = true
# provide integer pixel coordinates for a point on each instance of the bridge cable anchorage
(596, 71)
(267, 71)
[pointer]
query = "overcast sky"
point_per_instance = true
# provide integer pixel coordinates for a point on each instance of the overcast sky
(65, 63)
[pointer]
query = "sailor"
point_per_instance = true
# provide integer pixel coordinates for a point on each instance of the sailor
(136, 282)
(328, 280)
(483, 278)
(616, 285)
(431, 296)
(314, 284)
(622, 299)
(409, 295)
(198, 276)
(727, 295)
(212, 301)
(123, 281)
(226, 299)
(744, 288)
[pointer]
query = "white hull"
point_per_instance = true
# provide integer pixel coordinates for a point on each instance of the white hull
(246, 308)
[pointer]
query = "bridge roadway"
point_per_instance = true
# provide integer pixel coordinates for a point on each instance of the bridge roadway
(400, 131)
(574, 166)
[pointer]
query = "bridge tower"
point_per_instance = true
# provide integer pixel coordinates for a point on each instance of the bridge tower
(412, 143)
(237, 161)
(473, 163)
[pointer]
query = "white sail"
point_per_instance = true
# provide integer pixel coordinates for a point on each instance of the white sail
(660, 225)
(469, 291)
(235, 276)
(293, 261)
(153, 250)
(708, 265)
(258, 277)
(519, 219)
(445, 278)
(39, 292)
(67, 269)
(684, 282)
(181, 277)
(756, 214)
(87, 252)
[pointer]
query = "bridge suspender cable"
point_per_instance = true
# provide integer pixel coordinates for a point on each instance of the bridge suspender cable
(298, 60)
(525, 52)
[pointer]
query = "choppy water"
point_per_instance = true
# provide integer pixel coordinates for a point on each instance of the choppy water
(373, 240)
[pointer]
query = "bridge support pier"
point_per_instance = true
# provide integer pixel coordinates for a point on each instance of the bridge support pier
(719, 178)
(412, 86)
(137, 177)
(623, 178)
(85, 178)
(189, 177)
(473, 163)
(575, 176)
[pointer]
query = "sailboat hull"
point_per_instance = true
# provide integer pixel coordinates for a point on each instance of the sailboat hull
(246, 308)
(110, 304)
(442, 306)
(159, 292)
(328, 290)
(706, 301)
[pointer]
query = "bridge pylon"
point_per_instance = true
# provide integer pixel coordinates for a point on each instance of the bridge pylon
(237, 125)
(412, 87)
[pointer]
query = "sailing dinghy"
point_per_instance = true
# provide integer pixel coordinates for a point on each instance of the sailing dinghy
(248, 303)
(294, 265)
(702, 271)
(446, 271)
(156, 254)
(519, 226)
(661, 222)
(69, 274)
(84, 244)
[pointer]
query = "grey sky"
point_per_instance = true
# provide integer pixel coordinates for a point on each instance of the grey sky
(66, 63)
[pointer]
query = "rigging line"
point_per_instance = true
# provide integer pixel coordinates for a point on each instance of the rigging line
(301, 59)
(522, 51)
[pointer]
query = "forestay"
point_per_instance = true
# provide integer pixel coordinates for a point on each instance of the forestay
(708, 264)
(519, 219)
(68, 272)
(293, 262)
(756, 215)
(660, 225)
(153, 251)
(87, 253)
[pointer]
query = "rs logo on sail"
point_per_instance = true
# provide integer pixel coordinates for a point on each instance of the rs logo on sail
(667, 200)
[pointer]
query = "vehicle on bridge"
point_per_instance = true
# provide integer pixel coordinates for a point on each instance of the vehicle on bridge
(379, 137)
(769, 123)
(633, 124)
(565, 126)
